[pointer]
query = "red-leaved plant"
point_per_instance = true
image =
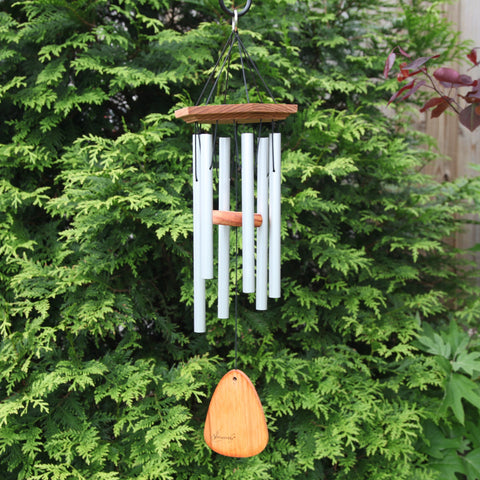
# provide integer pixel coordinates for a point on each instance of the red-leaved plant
(445, 82)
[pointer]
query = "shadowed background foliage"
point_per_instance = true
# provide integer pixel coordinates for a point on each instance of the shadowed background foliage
(101, 376)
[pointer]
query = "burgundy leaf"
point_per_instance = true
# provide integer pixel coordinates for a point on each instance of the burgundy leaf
(449, 77)
(439, 109)
(472, 56)
(444, 74)
(413, 90)
(403, 52)
(473, 96)
(410, 88)
(396, 94)
(403, 74)
(389, 63)
(417, 63)
(465, 80)
(391, 59)
(433, 102)
(469, 117)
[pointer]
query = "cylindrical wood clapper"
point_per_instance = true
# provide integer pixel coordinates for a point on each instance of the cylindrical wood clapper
(234, 219)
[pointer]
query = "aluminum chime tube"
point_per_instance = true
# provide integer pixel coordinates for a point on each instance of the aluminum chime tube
(206, 202)
(198, 281)
(275, 185)
(248, 205)
(261, 259)
(262, 231)
(224, 230)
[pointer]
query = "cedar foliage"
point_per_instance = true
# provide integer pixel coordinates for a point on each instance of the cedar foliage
(101, 375)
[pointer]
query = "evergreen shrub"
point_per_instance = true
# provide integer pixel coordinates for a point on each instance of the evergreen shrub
(362, 368)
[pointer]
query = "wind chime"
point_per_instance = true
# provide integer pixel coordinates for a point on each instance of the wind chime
(235, 425)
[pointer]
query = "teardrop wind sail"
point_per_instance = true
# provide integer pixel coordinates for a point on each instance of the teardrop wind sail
(235, 424)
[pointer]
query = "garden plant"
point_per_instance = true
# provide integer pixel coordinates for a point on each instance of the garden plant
(368, 365)
(445, 82)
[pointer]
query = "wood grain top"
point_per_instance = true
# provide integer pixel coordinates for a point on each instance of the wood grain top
(240, 113)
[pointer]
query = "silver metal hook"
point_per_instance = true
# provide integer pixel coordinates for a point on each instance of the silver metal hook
(243, 11)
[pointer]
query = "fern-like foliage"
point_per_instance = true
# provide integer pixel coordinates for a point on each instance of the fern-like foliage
(101, 376)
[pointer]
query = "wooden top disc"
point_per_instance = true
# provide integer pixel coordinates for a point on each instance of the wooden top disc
(239, 113)
(235, 424)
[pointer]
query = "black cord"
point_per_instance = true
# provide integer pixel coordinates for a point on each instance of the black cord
(252, 63)
(214, 68)
(243, 67)
(246, 62)
(227, 75)
(236, 166)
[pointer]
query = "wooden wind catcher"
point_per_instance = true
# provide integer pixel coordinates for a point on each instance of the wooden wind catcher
(250, 155)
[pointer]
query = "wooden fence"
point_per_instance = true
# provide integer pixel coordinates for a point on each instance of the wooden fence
(460, 146)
